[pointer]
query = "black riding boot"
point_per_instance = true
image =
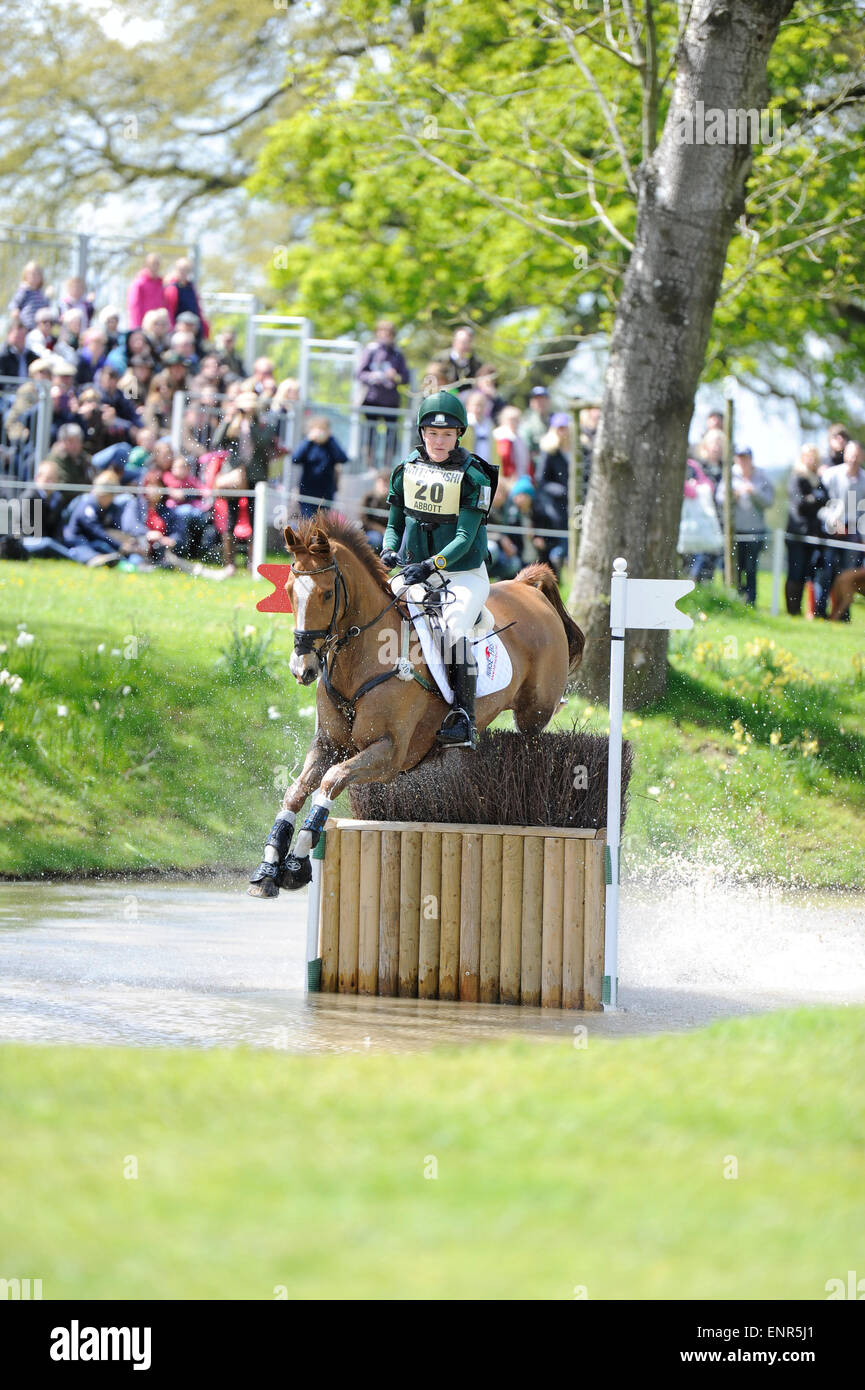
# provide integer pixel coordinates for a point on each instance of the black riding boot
(458, 726)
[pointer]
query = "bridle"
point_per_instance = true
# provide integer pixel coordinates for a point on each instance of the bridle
(331, 643)
(304, 638)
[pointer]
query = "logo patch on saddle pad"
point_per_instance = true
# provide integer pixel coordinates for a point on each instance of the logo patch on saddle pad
(489, 659)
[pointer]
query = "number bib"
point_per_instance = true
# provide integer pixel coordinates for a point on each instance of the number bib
(431, 491)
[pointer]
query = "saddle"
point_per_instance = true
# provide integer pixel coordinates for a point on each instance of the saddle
(495, 669)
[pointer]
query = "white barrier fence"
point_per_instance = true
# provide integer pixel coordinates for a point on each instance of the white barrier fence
(277, 502)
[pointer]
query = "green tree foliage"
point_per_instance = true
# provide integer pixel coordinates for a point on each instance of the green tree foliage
(441, 161)
(166, 100)
(485, 162)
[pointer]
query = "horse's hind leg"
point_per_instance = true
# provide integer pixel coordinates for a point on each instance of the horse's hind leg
(533, 709)
(531, 719)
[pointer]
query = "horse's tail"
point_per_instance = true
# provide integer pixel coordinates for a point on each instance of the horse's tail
(542, 577)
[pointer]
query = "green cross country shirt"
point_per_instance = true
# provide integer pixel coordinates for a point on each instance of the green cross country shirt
(441, 509)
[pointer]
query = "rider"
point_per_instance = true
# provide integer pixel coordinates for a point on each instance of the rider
(439, 498)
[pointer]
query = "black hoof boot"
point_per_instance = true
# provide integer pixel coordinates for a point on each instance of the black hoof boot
(264, 883)
(294, 872)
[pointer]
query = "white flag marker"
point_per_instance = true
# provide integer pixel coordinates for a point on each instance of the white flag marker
(634, 603)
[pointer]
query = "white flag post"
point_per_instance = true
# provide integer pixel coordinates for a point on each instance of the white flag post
(634, 603)
(313, 905)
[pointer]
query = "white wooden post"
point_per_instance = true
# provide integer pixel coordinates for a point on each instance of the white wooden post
(259, 528)
(178, 405)
(777, 567)
(313, 901)
(634, 603)
(614, 781)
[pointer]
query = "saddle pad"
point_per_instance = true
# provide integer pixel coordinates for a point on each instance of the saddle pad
(494, 663)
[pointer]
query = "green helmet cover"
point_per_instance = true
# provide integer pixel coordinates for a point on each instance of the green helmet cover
(444, 409)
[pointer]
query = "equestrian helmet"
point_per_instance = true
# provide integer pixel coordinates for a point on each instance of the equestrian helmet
(444, 409)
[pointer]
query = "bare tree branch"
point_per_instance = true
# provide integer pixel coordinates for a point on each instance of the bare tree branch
(246, 115)
(778, 251)
(650, 86)
(603, 104)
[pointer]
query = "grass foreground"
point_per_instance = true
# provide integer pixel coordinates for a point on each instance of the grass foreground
(720, 1164)
(152, 729)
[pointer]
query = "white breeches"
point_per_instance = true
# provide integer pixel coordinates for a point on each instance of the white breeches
(466, 592)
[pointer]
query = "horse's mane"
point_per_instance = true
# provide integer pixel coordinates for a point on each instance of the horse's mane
(348, 533)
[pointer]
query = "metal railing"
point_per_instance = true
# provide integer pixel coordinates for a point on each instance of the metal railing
(25, 431)
(107, 264)
(364, 441)
(276, 505)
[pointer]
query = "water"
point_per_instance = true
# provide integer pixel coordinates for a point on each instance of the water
(182, 964)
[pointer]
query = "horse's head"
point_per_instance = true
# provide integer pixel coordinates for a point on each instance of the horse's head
(315, 599)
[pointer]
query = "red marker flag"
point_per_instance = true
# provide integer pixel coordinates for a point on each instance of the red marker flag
(278, 601)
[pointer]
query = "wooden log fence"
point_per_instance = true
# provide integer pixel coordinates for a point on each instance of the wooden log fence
(494, 914)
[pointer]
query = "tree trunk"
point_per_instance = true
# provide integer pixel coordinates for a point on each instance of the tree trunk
(690, 194)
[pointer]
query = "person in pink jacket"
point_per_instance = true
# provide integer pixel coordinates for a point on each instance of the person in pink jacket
(146, 291)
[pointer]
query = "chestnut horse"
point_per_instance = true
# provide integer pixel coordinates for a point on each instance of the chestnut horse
(377, 715)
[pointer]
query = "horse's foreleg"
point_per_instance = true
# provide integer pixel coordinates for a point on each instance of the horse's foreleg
(265, 881)
(377, 763)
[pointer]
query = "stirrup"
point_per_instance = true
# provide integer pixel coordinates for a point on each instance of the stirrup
(457, 730)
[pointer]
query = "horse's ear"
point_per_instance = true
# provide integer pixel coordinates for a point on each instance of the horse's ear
(290, 539)
(320, 542)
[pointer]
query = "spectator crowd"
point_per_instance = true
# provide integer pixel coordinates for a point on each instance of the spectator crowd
(114, 376)
(113, 391)
(824, 528)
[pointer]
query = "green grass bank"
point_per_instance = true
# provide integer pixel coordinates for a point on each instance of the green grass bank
(150, 729)
(719, 1164)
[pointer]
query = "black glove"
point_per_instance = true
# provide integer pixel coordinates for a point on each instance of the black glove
(389, 559)
(416, 574)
